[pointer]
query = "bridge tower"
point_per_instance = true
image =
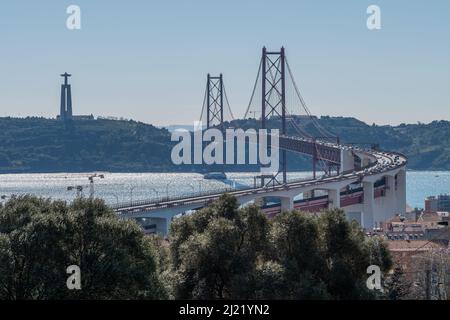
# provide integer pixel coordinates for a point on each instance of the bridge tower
(214, 101)
(274, 96)
(66, 99)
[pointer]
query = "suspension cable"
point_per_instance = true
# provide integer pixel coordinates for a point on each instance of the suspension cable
(254, 89)
(204, 102)
(228, 103)
(320, 128)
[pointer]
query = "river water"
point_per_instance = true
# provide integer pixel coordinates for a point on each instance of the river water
(124, 187)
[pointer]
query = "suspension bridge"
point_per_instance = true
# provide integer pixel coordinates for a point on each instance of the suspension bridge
(369, 185)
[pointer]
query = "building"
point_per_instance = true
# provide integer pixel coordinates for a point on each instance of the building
(428, 226)
(439, 203)
(77, 117)
(83, 117)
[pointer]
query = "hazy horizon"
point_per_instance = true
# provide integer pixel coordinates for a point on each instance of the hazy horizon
(118, 118)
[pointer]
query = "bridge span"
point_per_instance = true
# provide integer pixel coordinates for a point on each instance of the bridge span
(370, 187)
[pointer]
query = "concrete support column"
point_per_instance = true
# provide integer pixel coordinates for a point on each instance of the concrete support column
(401, 192)
(347, 160)
(391, 196)
(365, 161)
(259, 202)
(287, 204)
(334, 198)
(368, 205)
(308, 194)
(168, 223)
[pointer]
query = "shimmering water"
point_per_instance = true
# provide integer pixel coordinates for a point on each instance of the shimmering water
(420, 184)
(124, 187)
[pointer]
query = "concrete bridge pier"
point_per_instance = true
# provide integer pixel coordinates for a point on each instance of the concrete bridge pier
(160, 218)
(368, 205)
(391, 197)
(365, 161)
(347, 160)
(259, 202)
(334, 198)
(401, 192)
(287, 204)
(308, 194)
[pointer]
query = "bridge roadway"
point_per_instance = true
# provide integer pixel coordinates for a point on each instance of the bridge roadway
(375, 165)
(321, 150)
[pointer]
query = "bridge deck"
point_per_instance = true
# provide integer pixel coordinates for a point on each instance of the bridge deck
(385, 161)
(323, 151)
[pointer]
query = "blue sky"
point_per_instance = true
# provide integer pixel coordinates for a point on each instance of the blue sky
(148, 60)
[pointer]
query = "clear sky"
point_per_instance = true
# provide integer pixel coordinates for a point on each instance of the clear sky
(148, 60)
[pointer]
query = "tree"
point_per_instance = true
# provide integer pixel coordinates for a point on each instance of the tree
(40, 238)
(397, 287)
(226, 252)
(325, 257)
(214, 252)
(431, 275)
(296, 247)
(348, 253)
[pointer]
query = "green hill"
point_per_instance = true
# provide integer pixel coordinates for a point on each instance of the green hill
(426, 145)
(47, 145)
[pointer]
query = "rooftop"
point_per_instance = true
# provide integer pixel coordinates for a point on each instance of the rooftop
(409, 246)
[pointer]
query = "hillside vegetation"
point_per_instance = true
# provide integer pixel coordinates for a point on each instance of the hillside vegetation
(426, 145)
(47, 145)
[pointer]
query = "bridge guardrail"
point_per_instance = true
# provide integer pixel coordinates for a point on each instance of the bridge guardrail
(168, 199)
(154, 201)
